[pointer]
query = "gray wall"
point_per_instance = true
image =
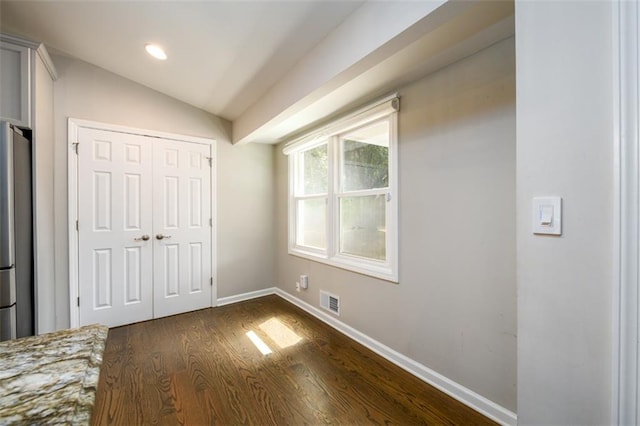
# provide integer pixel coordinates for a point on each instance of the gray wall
(565, 148)
(454, 309)
(245, 176)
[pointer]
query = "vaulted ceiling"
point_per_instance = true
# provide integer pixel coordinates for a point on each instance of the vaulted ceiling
(270, 67)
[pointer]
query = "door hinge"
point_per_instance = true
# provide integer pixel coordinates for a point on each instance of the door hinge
(210, 160)
(77, 226)
(211, 281)
(76, 147)
(210, 222)
(78, 302)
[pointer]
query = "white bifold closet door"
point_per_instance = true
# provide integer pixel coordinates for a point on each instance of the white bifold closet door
(182, 236)
(143, 222)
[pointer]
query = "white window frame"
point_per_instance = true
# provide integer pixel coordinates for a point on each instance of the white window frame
(384, 110)
(295, 174)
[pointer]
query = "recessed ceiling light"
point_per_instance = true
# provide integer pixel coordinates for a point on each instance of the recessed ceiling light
(155, 51)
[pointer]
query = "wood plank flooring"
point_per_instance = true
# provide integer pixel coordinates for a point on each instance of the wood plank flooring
(201, 368)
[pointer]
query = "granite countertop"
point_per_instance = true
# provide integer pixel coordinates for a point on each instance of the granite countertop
(51, 378)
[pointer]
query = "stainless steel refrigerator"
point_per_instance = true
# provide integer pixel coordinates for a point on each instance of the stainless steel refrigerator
(16, 234)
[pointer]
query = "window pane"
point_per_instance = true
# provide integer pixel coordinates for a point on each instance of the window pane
(311, 225)
(363, 226)
(365, 158)
(313, 171)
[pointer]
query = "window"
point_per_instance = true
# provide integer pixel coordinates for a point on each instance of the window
(343, 193)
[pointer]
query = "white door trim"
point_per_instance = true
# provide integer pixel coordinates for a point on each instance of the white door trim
(626, 319)
(72, 170)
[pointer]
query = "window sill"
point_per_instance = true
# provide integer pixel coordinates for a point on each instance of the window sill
(372, 269)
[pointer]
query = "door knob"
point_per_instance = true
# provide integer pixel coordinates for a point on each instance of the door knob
(145, 237)
(162, 237)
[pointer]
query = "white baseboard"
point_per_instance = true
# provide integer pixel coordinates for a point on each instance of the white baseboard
(448, 386)
(245, 296)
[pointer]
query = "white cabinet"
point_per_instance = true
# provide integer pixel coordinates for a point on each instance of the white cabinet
(15, 83)
(26, 100)
(24, 67)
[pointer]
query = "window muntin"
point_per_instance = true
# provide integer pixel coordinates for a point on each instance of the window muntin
(343, 207)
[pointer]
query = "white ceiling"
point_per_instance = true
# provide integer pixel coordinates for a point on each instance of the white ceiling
(223, 55)
(273, 68)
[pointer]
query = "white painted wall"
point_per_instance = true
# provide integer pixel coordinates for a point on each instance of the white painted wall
(245, 175)
(454, 309)
(565, 148)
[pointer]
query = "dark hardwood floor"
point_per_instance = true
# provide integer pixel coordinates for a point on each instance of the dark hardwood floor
(201, 368)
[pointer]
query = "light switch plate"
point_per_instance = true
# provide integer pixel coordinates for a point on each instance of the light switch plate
(543, 207)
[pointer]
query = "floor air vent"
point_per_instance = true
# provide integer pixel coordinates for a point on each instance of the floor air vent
(330, 302)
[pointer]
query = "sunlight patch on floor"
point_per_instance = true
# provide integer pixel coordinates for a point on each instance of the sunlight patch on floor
(277, 331)
(257, 341)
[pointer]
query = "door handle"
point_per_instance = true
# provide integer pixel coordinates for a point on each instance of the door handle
(162, 237)
(145, 237)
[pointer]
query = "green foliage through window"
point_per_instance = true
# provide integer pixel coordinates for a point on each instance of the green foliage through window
(365, 166)
(315, 170)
